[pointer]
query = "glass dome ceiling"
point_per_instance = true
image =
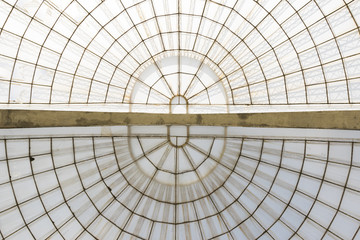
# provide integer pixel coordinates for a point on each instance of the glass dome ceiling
(173, 181)
(134, 182)
(221, 56)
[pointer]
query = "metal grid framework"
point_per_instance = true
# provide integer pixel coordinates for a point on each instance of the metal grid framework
(231, 187)
(179, 182)
(221, 56)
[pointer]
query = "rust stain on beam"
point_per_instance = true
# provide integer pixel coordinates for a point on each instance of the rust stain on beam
(319, 120)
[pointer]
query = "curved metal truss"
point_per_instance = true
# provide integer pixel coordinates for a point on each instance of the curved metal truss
(221, 56)
(174, 181)
(141, 183)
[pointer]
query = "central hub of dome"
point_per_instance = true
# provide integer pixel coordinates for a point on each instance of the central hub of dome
(178, 104)
(178, 155)
(184, 84)
(178, 135)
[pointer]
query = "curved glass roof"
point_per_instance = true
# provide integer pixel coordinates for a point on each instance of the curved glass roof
(151, 182)
(221, 56)
(173, 181)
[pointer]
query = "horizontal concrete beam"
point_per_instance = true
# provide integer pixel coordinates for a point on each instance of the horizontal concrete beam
(319, 120)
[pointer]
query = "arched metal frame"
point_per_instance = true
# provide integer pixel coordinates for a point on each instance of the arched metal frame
(223, 182)
(277, 54)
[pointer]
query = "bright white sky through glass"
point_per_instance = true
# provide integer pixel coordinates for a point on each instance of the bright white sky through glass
(228, 183)
(179, 182)
(222, 56)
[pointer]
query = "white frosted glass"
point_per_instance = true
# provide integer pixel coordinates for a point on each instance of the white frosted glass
(292, 218)
(348, 226)
(100, 196)
(107, 165)
(337, 173)
(284, 184)
(186, 212)
(252, 228)
(62, 152)
(19, 168)
(317, 150)
(165, 231)
(69, 181)
(262, 33)
(301, 202)
(311, 230)
(330, 194)
(17, 148)
(349, 203)
(42, 228)
(314, 167)
(32, 209)
(117, 213)
(264, 218)
(212, 226)
(280, 230)
(42, 162)
(354, 178)
(7, 200)
(264, 175)
(46, 181)
(60, 215)
(177, 56)
(71, 229)
(23, 233)
(222, 199)
(24, 189)
(309, 185)
(52, 199)
(102, 229)
(10, 221)
(340, 152)
(322, 214)
(139, 226)
(83, 209)
(88, 172)
(4, 175)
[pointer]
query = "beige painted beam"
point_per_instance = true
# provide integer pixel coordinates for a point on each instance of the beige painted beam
(321, 120)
